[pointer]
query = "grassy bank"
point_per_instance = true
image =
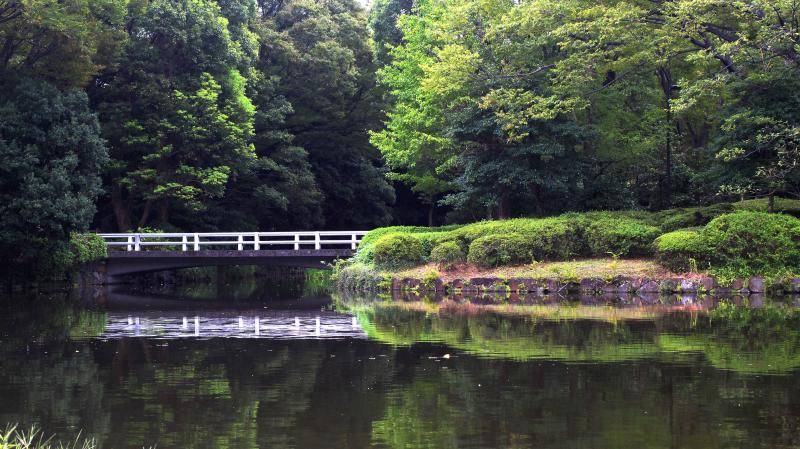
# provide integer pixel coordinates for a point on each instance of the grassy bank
(726, 240)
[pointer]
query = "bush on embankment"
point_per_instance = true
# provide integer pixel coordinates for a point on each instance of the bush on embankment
(515, 241)
(398, 251)
(736, 245)
(45, 260)
(447, 255)
(572, 235)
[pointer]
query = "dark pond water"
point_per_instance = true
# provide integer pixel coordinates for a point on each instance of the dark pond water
(140, 371)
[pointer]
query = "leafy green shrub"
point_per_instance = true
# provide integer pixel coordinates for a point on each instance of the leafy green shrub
(782, 205)
(736, 245)
(398, 250)
(87, 247)
(357, 277)
(502, 249)
(620, 236)
(447, 255)
(429, 278)
(556, 238)
(674, 219)
(676, 250)
(754, 242)
(428, 236)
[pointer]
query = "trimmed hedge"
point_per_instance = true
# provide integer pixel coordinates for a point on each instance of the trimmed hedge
(782, 205)
(736, 245)
(499, 249)
(590, 234)
(620, 237)
(754, 242)
(689, 217)
(675, 250)
(398, 251)
(447, 255)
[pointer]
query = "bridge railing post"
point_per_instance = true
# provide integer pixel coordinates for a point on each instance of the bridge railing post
(317, 244)
(130, 241)
(184, 241)
(296, 242)
(196, 242)
(256, 243)
(137, 240)
(240, 245)
(354, 241)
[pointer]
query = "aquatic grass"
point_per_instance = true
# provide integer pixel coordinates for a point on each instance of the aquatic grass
(317, 282)
(15, 438)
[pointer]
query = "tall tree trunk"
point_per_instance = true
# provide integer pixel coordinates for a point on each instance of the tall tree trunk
(146, 213)
(503, 207)
(121, 212)
(163, 212)
(430, 214)
(771, 202)
(667, 86)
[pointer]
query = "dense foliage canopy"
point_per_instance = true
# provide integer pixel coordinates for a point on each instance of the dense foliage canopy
(281, 114)
(541, 106)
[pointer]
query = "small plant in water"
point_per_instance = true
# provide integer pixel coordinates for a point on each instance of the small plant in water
(693, 265)
(615, 260)
(429, 278)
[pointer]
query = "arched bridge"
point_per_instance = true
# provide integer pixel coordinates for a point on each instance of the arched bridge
(130, 253)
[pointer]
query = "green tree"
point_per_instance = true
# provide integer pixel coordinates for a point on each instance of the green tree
(321, 55)
(175, 112)
(62, 42)
(51, 157)
(383, 22)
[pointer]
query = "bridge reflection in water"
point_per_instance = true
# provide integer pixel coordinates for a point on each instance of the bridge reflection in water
(234, 324)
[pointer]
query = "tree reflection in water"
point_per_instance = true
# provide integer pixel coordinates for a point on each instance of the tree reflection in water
(724, 378)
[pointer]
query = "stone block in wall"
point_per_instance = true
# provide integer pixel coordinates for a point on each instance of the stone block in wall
(638, 282)
(755, 285)
(707, 283)
(611, 286)
(669, 285)
(688, 285)
(794, 285)
(737, 284)
(520, 284)
(482, 283)
(626, 287)
(648, 287)
(501, 287)
(456, 284)
(591, 285)
(411, 283)
(551, 285)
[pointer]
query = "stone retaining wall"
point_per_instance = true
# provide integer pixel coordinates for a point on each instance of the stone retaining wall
(594, 286)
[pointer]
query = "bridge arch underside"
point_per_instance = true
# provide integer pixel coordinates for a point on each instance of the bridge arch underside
(121, 263)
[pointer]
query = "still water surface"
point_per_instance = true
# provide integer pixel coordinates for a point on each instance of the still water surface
(141, 371)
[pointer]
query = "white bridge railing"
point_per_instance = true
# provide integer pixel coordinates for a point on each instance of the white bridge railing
(196, 241)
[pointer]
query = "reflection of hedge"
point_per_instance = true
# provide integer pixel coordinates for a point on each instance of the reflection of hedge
(493, 336)
(744, 340)
(732, 354)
